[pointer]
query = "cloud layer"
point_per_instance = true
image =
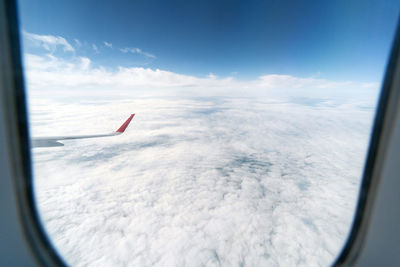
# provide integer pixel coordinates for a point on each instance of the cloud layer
(78, 75)
(200, 181)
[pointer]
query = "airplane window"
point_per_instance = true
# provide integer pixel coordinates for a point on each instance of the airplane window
(216, 133)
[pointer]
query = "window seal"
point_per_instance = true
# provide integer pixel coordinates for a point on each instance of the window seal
(16, 117)
(373, 165)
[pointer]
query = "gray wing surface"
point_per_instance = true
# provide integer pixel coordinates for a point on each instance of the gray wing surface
(52, 141)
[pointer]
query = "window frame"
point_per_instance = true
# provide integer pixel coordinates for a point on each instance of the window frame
(14, 121)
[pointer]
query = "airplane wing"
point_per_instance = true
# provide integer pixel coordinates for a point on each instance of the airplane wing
(52, 141)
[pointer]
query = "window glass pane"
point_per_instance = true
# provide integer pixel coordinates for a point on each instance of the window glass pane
(252, 121)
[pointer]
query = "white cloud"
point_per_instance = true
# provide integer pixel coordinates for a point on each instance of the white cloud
(287, 81)
(213, 181)
(77, 43)
(46, 72)
(48, 42)
(95, 48)
(52, 72)
(212, 76)
(107, 44)
(85, 63)
(48, 64)
(135, 50)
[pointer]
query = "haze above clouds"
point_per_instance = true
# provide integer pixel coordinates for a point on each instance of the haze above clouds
(212, 171)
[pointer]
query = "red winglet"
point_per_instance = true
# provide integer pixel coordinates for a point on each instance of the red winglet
(125, 125)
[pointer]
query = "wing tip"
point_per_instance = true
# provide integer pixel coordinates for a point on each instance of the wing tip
(125, 124)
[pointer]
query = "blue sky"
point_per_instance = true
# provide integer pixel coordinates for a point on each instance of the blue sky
(335, 40)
